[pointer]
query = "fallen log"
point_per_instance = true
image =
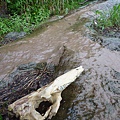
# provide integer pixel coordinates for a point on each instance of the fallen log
(26, 107)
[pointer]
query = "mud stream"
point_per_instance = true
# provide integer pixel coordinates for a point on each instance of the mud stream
(96, 94)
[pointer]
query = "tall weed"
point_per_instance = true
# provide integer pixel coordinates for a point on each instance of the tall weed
(1, 117)
(108, 19)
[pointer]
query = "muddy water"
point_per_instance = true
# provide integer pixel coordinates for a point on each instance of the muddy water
(96, 94)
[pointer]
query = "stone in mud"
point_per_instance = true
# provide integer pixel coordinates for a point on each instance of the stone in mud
(111, 43)
(117, 75)
(27, 66)
(15, 35)
(12, 36)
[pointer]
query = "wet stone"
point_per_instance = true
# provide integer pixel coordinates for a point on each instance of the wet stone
(15, 35)
(117, 75)
(12, 36)
(28, 66)
(111, 43)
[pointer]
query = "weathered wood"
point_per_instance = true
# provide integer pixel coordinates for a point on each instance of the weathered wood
(3, 7)
(26, 106)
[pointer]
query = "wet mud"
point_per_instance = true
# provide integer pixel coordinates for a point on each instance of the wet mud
(95, 95)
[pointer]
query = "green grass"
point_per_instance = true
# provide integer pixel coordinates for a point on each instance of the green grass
(108, 19)
(1, 117)
(26, 22)
(26, 15)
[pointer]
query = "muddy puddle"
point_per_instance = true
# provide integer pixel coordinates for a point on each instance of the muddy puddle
(96, 93)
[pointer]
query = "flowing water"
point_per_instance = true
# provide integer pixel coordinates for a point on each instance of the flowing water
(96, 93)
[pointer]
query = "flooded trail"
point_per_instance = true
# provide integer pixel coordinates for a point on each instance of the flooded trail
(96, 94)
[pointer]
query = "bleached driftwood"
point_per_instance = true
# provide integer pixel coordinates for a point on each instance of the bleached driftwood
(26, 106)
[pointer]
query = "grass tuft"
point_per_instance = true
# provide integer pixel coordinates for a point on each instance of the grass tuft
(108, 19)
(1, 117)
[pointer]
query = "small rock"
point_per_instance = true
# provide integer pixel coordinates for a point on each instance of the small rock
(27, 67)
(111, 43)
(15, 35)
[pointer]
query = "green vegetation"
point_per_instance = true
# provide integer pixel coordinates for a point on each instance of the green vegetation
(107, 20)
(0, 117)
(26, 15)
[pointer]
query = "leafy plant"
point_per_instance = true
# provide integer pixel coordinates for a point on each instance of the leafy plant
(55, 6)
(108, 19)
(26, 15)
(1, 117)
